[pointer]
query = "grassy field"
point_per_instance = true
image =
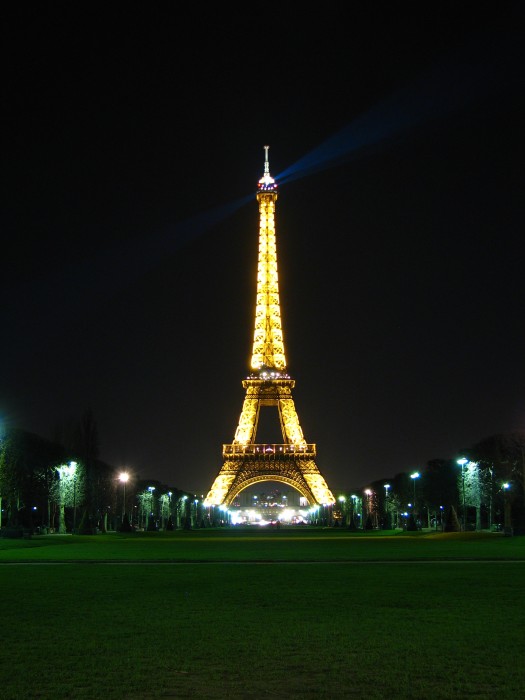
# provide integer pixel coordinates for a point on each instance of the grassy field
(237, 614)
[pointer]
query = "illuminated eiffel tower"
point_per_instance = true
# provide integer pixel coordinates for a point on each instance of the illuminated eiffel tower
(247, 462)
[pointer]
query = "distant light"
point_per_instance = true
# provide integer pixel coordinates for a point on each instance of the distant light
(415, 475)
(462, 461)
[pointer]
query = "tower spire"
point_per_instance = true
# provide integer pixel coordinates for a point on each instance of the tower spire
(267, 182)
(266, 162)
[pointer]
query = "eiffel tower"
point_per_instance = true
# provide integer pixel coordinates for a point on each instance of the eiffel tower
(247, 462)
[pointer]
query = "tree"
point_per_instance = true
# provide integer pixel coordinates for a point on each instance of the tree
(501, 459)
(451, 521)
(69, 492)
(412, 522)
(86, 446)
(126, 525)
(474, 491)
(352, 525)
(399, 495)
(100, 487)
(27, 464)
(439, 484)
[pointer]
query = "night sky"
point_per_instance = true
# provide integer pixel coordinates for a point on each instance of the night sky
(132, 146)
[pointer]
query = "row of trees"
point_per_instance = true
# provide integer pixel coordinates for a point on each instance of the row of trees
(484, 485)
(47, 488)
(63, 485)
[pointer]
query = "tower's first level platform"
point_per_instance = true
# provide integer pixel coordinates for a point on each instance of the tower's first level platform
(268, 451)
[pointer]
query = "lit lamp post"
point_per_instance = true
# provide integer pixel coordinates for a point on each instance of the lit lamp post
(388, 523)
(123, 478)
(182, 504)
(507, 520)
(150, 489)
(354, 508)
(342, 501)
(462, 462)
(368, 519)
(414, 476)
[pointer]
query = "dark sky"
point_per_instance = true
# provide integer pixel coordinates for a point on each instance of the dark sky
(132, 146)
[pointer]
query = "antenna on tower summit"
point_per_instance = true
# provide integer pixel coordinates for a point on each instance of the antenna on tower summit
(266, 161)
(267, 182)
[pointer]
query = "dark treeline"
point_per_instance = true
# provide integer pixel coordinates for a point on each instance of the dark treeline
(482, 487)
(61, 486)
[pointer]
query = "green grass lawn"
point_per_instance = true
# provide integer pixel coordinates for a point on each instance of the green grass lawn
(235, 614)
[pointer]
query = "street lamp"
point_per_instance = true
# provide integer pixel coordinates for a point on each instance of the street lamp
(507, 519)
(182, 509)
(354, 509)
(368, 519)
(123, 478)
(387, 486)
(342, 501)
(414, 476)
(150, 489)
(462, 462)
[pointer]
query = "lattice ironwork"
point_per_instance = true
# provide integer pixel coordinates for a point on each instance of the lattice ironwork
(245, 461)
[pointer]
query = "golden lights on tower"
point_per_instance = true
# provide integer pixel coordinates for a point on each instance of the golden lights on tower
(245, 461)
